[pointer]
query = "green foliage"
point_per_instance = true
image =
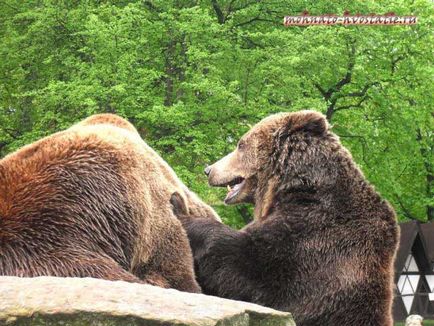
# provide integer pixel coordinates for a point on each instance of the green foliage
(194, 75)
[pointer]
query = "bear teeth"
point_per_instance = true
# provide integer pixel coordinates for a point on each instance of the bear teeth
(229, 188)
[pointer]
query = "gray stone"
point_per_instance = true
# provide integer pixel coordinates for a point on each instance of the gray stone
(87, 301)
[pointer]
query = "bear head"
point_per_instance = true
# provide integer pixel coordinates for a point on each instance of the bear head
(283, 151)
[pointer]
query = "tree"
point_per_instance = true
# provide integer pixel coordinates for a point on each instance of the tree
(193, 76)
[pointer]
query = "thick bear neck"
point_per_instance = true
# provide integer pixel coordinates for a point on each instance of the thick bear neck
(345, 194)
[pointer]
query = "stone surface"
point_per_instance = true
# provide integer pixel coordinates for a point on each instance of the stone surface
(86, 301)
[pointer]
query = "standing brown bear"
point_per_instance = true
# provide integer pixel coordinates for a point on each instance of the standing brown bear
(322, 243)
(93, 201)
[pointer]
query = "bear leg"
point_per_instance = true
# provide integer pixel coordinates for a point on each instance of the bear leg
(171, 265)
(104, 268)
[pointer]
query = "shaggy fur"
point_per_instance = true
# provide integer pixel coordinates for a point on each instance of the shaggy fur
(93, 201)
(322, 243)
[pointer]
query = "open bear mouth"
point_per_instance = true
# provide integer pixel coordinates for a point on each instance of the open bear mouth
(234, 187)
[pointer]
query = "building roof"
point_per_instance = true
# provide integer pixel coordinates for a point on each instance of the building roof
(428, 235)
(417, 239)
(421, 236)
(409, 232)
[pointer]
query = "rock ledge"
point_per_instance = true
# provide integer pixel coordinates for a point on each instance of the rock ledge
(87, 301)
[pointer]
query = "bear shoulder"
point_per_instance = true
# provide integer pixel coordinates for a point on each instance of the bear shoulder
(107, 119)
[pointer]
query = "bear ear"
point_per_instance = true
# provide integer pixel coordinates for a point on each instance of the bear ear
(310, 121)
(178, 204)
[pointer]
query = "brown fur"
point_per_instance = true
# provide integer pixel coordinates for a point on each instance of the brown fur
(323, 242)
(93, 201)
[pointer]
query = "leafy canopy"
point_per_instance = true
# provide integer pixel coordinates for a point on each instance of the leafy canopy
(193, 76)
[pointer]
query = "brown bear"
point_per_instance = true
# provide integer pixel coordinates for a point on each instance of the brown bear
(93, 201)
(322, 243)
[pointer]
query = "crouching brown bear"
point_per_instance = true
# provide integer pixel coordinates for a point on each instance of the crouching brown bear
(322, 243)
(94, 201)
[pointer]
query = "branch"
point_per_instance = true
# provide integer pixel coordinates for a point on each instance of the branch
(402, 172)
(363, 91)
(352, 106)
(150, 5)
(230, 7)
(348, 76)
(363, 94)
(331, 109)
(327, 95)
(251, 42)
(406, 211)
(220, 16)
(394, 62)
(321, 90)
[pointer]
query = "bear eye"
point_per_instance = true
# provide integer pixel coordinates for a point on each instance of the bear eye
(241, 145)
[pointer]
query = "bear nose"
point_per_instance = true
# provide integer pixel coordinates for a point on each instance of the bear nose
(207, 170)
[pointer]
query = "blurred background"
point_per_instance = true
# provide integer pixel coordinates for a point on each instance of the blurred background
(193, 76)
